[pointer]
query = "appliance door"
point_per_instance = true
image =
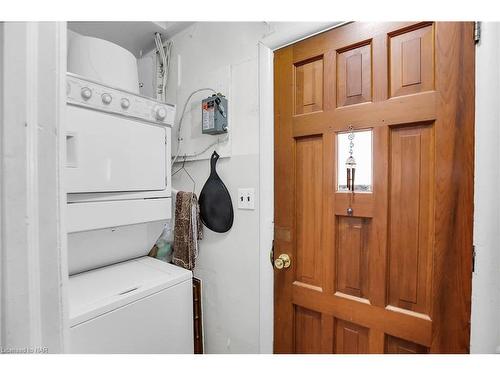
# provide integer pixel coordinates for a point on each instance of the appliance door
(107, 153)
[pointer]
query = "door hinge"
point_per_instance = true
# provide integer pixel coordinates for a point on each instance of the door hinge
(473, 258)
(477, 32)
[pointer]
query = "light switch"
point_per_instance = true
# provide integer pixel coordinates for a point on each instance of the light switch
(246, 199)
(250, 199)
(241, 199)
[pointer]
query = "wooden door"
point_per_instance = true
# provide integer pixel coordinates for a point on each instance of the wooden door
(395, 276)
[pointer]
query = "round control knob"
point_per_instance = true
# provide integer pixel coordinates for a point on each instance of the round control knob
(160, 113)
(125, 103)
(86, 93)
(106, 98)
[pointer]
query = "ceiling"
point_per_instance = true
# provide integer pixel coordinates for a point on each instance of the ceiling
(135, 36)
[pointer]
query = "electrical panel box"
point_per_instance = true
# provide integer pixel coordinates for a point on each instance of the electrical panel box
(214, 115)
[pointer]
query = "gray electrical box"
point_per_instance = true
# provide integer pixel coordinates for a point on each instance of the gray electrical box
(214, 115)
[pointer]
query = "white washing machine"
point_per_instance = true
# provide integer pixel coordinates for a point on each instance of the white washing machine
(138, 306)
(119, 197)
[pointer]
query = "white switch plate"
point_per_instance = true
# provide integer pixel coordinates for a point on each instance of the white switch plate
(246, 199)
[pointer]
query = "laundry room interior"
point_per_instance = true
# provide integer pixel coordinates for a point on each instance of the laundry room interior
(249, 187)
(195, 73)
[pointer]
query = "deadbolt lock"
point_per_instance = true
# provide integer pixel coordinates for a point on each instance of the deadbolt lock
(283, 261)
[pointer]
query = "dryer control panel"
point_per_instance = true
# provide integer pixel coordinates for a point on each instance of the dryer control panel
(86, 93)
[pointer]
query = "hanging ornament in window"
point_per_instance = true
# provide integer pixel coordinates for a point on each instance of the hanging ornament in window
(350, 162)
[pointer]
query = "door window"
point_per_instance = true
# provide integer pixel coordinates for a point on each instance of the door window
(363, 156)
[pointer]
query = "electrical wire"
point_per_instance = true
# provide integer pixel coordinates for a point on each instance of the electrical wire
(179, 138)
(164, 56)
(163, 63)
(217, 142)
(168, 53)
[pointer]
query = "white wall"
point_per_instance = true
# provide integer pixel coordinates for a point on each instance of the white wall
(485, 320)
(229, 263)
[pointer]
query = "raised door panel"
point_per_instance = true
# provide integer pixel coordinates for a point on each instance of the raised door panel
(350, 338)
(309, 86)
(411, 56)
(411, 216)
(352, 256)
(308, 208)
(394, 345)
(307, 331)
(354, 75)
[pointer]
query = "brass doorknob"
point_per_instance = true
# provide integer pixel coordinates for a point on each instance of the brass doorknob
(283, 261)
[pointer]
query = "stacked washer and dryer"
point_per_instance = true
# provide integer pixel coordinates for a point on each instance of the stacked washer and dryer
(118, 180)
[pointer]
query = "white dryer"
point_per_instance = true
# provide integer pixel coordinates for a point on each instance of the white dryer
(117, 173)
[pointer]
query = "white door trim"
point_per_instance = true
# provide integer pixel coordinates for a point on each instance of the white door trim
(266, 201)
